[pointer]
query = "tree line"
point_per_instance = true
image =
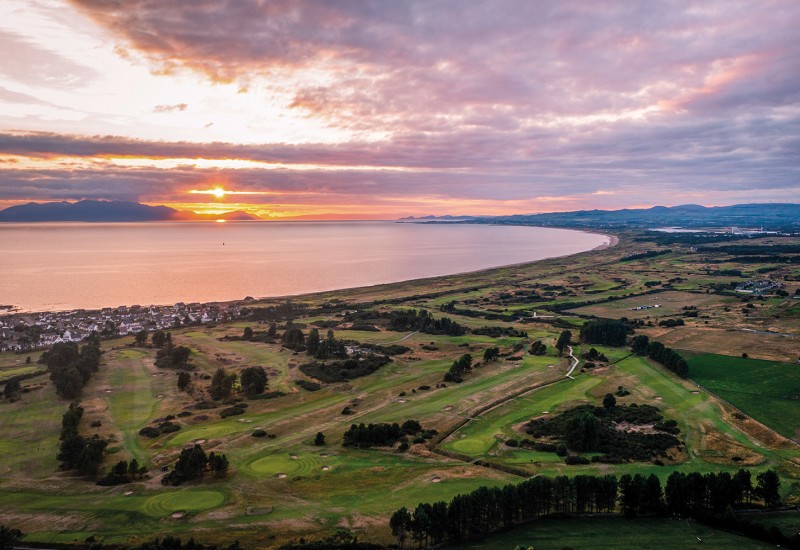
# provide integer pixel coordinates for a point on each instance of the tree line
(658, 352)
(489, 509)
(381, 434)
(608, 332)
(75, 451)
(423, 321)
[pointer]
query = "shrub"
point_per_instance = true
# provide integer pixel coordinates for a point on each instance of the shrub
(575, 460)
(150, 431)
(308, 385)
(231, 411)
(259, 433)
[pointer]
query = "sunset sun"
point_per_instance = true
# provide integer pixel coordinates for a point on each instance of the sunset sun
(218, 192)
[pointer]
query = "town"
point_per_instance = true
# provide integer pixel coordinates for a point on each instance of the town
(21, 332)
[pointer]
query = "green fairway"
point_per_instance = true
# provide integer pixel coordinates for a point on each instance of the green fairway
(612, 533)
(766, 390)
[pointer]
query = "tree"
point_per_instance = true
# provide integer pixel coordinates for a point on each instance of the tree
(491, 354)
(180, 356)
(293, 339)
(768, 488)
(221, 384)
(400, 522)
(312, 342)
(538, 348)
(583, 433)
(460, 367)
(140, 338)
(609, 401)
(12, 388)
(159, 338)
(254, 380)
(9, 537)
(133, 468)
(68, 382)
(319, 439)
(248, 333)
(184, 379)
(218, 464)
(640, 344)
(563, 341)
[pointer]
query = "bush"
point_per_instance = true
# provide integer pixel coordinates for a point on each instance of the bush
(512, 443)
(259, 433)
(575, 460)
(150, 431)
(168, 427)
(231, 411)
(308, 385)
(268, 395)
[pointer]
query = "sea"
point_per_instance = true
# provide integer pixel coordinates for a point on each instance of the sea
(64, 266)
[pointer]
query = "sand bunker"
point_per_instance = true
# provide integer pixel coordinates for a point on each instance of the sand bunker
(178, 515)
(326, 468)
(128, 493)
(280, 475)
(436, 479)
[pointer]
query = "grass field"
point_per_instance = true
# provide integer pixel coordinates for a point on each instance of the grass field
(612, 533)
(669, 302)
(283, 488)
(766, 390)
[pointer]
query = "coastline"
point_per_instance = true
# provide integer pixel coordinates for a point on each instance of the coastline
(249, 300)
(613, 241)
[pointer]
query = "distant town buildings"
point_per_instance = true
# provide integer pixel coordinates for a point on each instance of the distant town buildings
(28, 331)
(763, 286)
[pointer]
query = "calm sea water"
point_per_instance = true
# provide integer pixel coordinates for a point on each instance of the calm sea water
(74, 265)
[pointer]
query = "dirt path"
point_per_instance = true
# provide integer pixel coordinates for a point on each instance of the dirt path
(406, 337)
(575, 364)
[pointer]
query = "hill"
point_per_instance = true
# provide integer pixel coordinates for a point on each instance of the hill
(106, 211)
(769, 216)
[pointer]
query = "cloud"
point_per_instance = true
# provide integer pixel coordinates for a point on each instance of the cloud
(170, 108)
(620, 102)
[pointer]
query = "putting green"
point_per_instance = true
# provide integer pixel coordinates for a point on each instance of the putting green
(182, 500)
(304, 464)
(473, 445)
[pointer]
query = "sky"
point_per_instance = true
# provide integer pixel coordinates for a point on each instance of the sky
(382, 109)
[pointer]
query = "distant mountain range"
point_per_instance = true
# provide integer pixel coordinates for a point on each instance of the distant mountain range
(770, 216)
(107, 211)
